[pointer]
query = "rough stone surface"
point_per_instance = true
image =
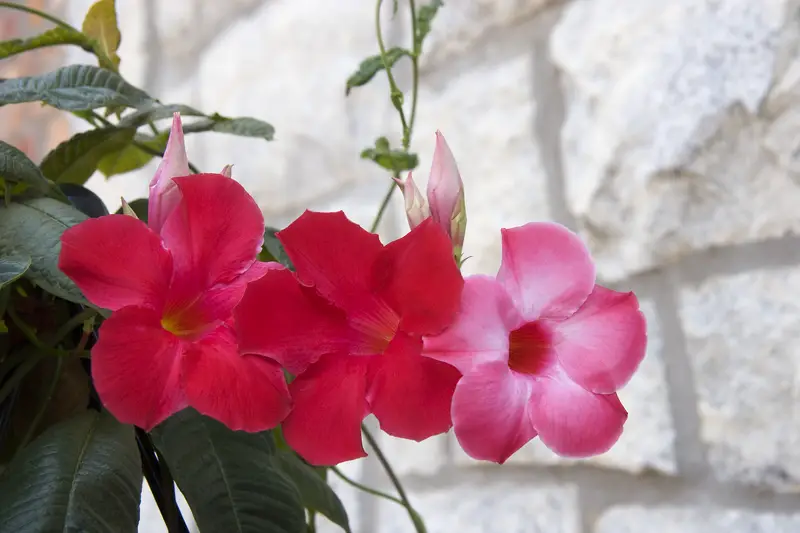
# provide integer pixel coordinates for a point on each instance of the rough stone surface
(694, 520)
(663, 143)
(742, 335)
(485, 508)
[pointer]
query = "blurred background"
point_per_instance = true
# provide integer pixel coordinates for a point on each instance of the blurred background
(666, 133)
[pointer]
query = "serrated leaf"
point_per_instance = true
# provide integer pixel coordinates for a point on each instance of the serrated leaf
(83, 474)
(53, 37)
(131, 157)
(425, 17)
(371, 66)
(74, 88)
(12, 266)
(100, 25)
(315, 492)
(273, 249)
(157, 112)
(228, 477)
(15, 167)
(34, 227)
(76, 159)
(242, 126)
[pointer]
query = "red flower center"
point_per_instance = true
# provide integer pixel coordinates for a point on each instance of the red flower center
(529, 348)
(377, 326)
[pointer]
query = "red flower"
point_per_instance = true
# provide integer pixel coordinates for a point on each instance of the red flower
(349, 324)
(543, 350)
(170, 342)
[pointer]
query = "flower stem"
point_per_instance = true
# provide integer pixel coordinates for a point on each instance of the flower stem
(419, 525)
(55, 20)
(30, 334)
(365, 488)
(73, 323)
(384, 204)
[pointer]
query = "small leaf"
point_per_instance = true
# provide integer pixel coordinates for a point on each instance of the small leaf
(371, 66)
(139, 207)
(100, 25)
(75, 160)
(394, 160)
(34, 227)
(15, 167)
(315, 492)
(273, 249)
(157, 112)
(131, 157)
(74, 88)
(425, 17)
(53, 37)
(84, 200)
(12, 266)
(243, 126)
(228, 477)
(83, 474)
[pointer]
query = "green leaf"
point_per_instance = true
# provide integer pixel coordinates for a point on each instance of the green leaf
(139, 207)
(228, 477)
(394, 160)
(15, 167)
(74, 88)
(273, 249)
(12, 266)
(83, 474)
(242, 126)
(315, 492)
(34, 227)
(157, 112)
(100, 25)
(371, 66)
(425, 17)
(131, 157)
(75, 160)
(54, 37)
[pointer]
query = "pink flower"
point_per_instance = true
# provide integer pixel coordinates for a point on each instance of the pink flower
(349, 324)
(172, 287)
(542, 349)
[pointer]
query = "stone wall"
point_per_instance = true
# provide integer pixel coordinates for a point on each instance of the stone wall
(667, 133)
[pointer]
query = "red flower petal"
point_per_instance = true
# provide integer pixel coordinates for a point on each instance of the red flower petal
(410, 394)
(490, 412)
(418, 277)
(546, 269)
(574, 422)
(281, 319)
(602, 344)
(329, 404)
(215, 232)
(334, 255)
(136, 368)
(244, 392)
(116, 261)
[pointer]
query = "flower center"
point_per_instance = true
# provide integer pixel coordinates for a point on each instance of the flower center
(529, 348)
(377, 326)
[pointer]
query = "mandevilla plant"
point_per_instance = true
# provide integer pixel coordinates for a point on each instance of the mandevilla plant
(182, 342)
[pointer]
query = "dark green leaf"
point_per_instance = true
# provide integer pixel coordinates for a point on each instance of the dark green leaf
(100, 25)
(425, 18)
(243, 126)
(15, 167)
(131, 157)
(139, 207)
(83, 474)
(12, 266)
(273, 249)
(394, 160)
(34, 227)
(54, 37)
(315, 492)
(75, 160)
(228, 477)
(84, 200)
(74, 88)
(371, 66)
(157, 112)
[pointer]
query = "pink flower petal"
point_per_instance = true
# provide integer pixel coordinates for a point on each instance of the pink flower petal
(481, 329)
(546, 269)
(490, 412)
(136, 368)
(416, 208)
(418, 277)
(116, 261)
(445, 188)
(410, 394)
(215, 232)
(281, 319)
(602, 344)
(244, 392)
(334, 255)
(164, 195)
(574, 422)
(329, 404)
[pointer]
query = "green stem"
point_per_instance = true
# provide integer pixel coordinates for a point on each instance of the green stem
(382, 208)
(392, 84)
(419, 526)
(30, 334)
(312, 522)
(55, 20)
(364, 488)
(414, 71)
(72, 323)
(42, 408)
(22, 370)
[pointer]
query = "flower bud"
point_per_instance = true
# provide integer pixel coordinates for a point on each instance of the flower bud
(446, 195)
(164, 194)
(416, 209)
(227, 171)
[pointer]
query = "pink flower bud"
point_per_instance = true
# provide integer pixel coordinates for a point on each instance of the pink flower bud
(164, 195)
(227, 171)
(416, 209)
(446, 194)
